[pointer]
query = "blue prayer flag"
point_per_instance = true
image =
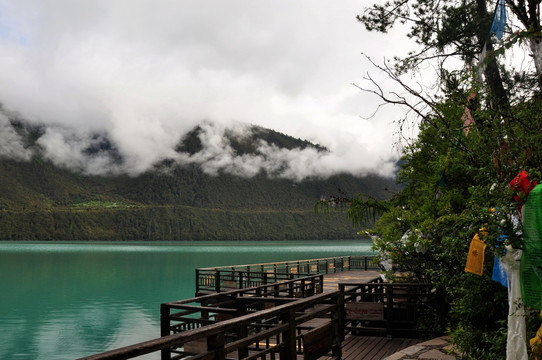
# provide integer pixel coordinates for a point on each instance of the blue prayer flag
(499, 20)
(499, 273)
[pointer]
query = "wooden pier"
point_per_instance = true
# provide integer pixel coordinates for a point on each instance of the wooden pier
(290, 310)
(225, 278)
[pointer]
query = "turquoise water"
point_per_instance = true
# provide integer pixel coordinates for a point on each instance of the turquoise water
(67, 300)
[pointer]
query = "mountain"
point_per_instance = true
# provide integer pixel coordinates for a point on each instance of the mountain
(42, 201)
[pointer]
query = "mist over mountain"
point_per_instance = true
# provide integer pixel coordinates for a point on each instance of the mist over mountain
(137, 148)
(212, 182)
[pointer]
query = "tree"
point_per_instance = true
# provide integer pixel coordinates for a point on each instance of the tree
(457, 171)
(456, 29)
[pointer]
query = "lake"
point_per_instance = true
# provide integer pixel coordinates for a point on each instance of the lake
(66, 300)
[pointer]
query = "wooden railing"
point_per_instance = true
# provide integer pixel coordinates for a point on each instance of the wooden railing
(310, 326)
(392, 309)
(189, 314)
(225, 278)
(270, 322)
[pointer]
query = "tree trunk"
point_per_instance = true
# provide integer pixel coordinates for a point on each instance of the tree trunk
(536, 49)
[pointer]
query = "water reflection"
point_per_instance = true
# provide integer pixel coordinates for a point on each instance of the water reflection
(63, 301)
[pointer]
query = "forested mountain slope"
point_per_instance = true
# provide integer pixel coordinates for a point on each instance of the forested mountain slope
(41, 201)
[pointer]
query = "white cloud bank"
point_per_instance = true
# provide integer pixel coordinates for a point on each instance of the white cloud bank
(146, 72)
(11, 144)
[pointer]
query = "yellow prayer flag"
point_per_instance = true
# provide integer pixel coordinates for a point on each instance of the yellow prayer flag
(475, 259)
(536, 344)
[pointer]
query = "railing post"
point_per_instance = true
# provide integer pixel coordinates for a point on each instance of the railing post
(215, 343)
(241, 277)
(342, 317)
(217, 281)
(288, 351)
(242, 332)
(164, 329)
(389, 294)
(248, 277)
(242, 329)
(338, 316)
(197, 282)
(204, 313)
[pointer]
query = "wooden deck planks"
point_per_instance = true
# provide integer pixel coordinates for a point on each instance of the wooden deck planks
(331, 281)
(373, 347)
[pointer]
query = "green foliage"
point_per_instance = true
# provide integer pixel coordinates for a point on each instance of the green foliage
(440, 28)
(364, 210)
(484, 345)
(170, 223)
(452, 183)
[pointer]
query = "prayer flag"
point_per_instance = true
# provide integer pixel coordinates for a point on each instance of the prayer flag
(536, 344)
(475, 259)
(522, 186)
(499, 273)
(531, 262)
(499, 20)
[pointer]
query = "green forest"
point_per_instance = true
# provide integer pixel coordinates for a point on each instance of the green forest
(41, 201)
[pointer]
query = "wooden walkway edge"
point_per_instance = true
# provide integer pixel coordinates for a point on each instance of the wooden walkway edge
(372, 347)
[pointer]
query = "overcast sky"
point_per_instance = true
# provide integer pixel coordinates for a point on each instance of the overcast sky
(146, 71)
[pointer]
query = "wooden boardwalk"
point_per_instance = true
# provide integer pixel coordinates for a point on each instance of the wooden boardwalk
(331, 281)
(373, 347)
(364, 347)
(293, 325)
(360, 347)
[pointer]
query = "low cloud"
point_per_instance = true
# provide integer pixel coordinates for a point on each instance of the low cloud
(94, 153)
(217, 155)
(92, 73)
(79, 152)
(12, 145)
